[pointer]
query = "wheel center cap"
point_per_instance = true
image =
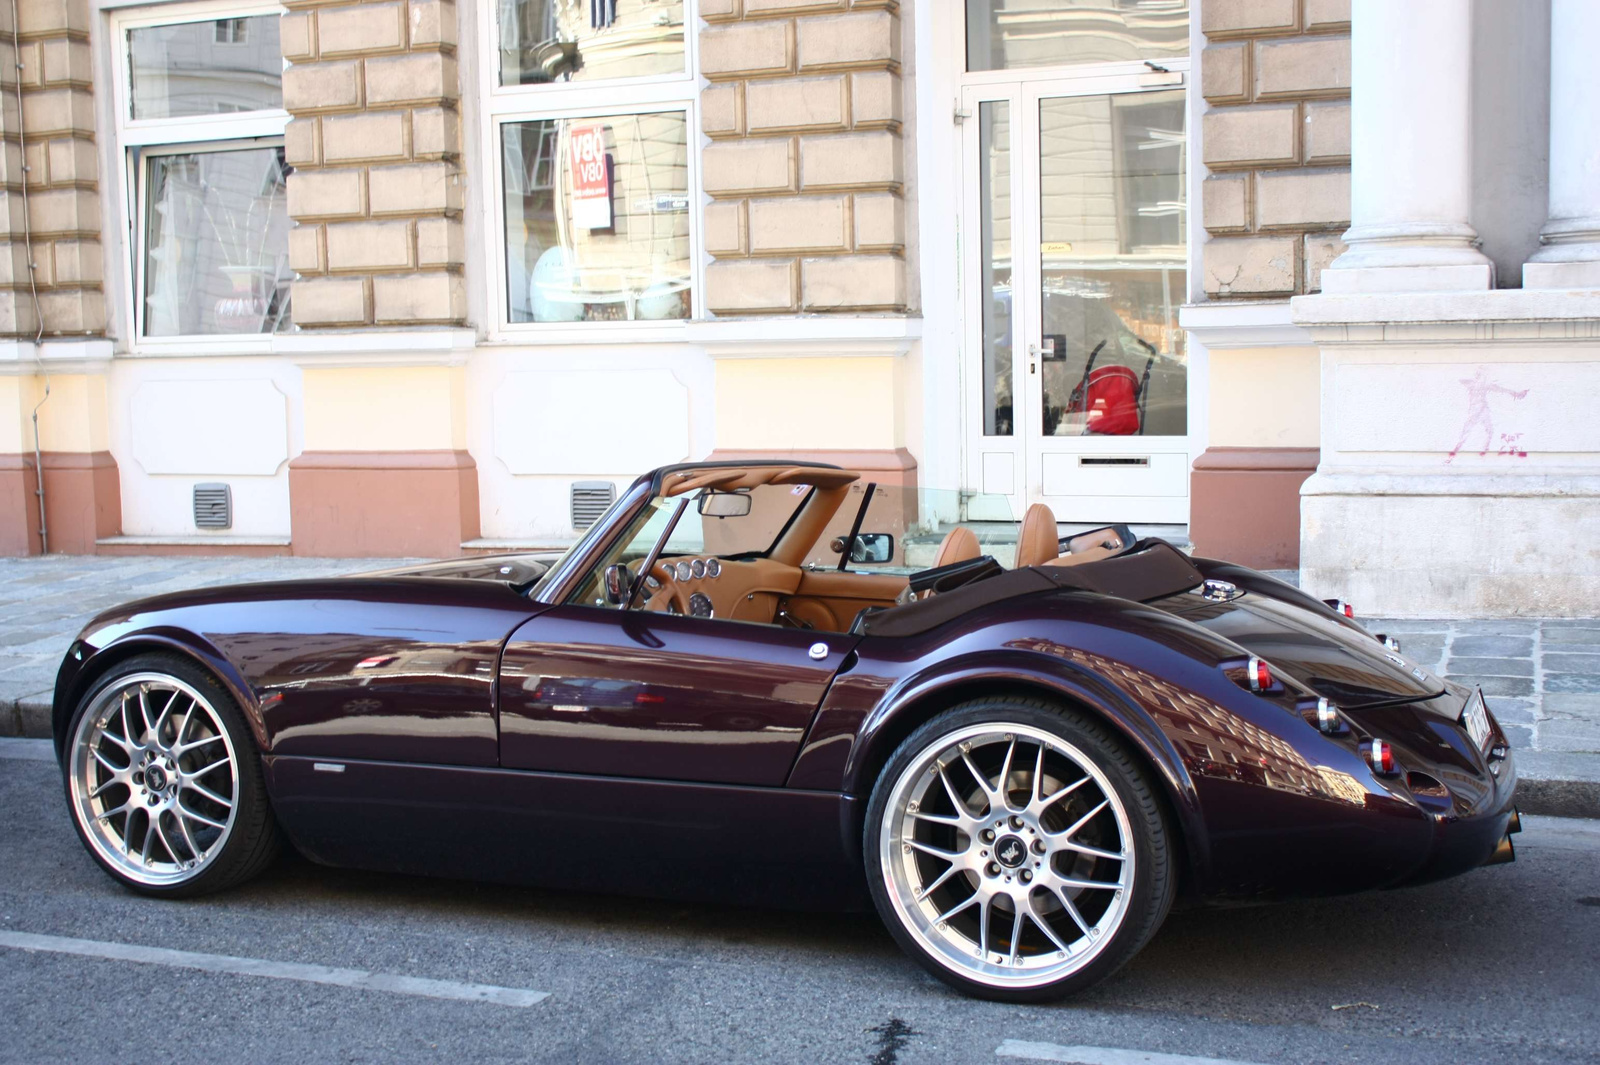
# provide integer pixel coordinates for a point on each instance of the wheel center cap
(155, 778)
(1010, 851)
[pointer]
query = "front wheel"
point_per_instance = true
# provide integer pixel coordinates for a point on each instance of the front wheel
(1017, 850)
(164, 781)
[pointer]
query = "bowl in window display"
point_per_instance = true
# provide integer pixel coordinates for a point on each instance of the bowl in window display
(244, 309)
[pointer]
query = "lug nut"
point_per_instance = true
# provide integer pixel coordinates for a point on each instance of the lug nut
(1038, 846)
(992, 869)
(988, 835)
(1026, 876)
(1016, 822)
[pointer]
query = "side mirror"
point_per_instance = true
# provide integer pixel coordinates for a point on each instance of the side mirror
(618, 580)
(869, 548)
(723, 504)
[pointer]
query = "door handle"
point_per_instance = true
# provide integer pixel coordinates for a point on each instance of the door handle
(1036, 350)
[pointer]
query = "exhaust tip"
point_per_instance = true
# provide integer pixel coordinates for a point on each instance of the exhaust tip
(1503, 852)
(1514, 825)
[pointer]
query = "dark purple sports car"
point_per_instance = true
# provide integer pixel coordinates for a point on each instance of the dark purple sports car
(776, 683)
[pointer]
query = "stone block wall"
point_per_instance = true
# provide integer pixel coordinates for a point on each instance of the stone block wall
(59, 168)
(375, 141)
(1276, 143)
(806, 169)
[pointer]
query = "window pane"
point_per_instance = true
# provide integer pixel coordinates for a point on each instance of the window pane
(1005, 34)
(597, 218)
(206, 68)
(1111, 209)
(543, 41)
(994, 200)
(216, 243)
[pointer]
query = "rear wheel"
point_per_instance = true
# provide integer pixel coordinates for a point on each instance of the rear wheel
(164, 780)
(1017, 850)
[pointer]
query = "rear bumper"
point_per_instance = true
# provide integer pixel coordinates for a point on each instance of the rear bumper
(1478, 835)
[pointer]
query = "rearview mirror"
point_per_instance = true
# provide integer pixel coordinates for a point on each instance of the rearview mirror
(618, 580)
(868, 548)
(723, 504)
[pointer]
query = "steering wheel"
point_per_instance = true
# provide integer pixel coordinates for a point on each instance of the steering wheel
(669, 597)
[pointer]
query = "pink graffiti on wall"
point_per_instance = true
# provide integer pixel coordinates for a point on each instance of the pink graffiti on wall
(1481, 419)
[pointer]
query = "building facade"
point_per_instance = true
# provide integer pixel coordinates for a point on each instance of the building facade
(1312, 280)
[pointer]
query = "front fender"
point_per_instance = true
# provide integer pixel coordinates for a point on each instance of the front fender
(78, 674)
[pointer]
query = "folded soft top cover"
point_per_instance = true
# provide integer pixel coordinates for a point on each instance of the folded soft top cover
(1153, 570)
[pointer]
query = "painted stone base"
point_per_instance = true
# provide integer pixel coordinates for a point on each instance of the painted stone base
(1429, 545)
(1245, 504)
(83, 502)
(354, 504)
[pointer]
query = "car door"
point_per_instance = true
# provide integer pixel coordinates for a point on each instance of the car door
(590, 690)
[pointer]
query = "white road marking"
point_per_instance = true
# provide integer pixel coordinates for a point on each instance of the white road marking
(1017, 1048)
(27, 750)
(276, 970)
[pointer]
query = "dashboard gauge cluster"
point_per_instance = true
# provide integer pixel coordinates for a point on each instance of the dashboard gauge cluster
(697, 569)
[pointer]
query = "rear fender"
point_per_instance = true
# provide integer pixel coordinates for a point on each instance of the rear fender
(954, 680)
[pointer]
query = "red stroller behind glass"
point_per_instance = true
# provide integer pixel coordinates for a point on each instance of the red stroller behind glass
(1111, 399)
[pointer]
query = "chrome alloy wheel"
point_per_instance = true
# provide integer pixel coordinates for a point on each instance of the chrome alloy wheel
(1007, 854)
(154, 779)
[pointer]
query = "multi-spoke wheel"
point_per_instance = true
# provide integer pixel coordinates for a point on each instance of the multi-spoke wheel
(1017, 850)
(164, 781)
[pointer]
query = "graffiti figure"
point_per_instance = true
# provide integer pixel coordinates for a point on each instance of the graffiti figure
(1479, 417)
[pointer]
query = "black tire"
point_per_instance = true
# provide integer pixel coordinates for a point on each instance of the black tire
(253, 838)
(1153, 874)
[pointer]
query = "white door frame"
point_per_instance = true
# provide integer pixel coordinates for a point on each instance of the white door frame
(987, 461)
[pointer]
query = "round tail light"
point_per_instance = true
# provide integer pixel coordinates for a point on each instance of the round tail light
(1381, 758)
(1257, 675)
(1390, 643)
(1329, 719)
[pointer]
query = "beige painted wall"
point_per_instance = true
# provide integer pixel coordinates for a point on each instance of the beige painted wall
(74, 418)
(1265, 397)
(843, 403)
(414, 408)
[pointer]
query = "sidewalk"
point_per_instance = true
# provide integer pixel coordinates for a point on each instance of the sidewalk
(1540, 677)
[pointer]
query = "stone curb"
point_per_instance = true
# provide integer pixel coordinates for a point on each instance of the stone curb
(1549, 782)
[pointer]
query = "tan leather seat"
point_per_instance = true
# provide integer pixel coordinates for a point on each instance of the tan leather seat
(958, 545)
(1038, 542)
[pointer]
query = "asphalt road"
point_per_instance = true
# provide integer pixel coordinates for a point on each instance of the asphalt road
(1500, 965)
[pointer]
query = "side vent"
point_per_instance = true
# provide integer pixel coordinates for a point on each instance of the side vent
(590, 499)
(213, 506)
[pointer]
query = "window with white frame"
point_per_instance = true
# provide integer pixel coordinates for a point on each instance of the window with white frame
(591, 109)
(200, 123)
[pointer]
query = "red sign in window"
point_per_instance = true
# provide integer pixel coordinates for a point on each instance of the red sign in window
(591, 178)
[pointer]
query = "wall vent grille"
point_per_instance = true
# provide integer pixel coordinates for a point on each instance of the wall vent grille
(213, 506)
(590, 499)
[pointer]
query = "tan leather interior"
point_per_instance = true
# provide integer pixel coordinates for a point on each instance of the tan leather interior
(959, 545)
(1038, 542)
(728, 480)
(829, 601)
(744, 591)
(1090, 547)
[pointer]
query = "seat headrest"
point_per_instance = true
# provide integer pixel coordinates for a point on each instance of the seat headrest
(1038, 541)
(959, 545)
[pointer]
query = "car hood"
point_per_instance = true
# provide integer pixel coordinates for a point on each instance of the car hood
(1332, 657)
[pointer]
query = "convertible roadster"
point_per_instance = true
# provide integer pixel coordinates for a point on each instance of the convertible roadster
(775, 683)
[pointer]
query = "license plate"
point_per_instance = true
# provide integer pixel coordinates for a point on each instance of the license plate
(1476, 720)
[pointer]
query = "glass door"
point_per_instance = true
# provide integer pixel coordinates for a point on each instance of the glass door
(1076, 266)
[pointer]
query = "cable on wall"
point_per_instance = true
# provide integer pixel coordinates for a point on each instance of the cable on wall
(33, 284)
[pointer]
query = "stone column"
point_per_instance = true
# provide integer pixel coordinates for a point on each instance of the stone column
(1570, 257)
(1411, 158)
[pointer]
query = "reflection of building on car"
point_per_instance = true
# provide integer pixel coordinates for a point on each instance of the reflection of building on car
(1021, 768)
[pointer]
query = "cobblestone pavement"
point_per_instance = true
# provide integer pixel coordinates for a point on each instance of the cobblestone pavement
(1540, 677)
